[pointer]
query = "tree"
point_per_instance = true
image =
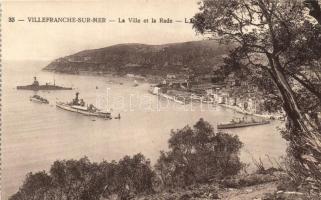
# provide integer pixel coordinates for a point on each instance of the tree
(275, 36)
(198, 155)
(84, 180)
(315, 9)
(133, 176)
(35, 187)
(77, 179)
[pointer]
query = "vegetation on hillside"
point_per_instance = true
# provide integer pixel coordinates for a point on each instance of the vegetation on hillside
(199, 155)
(82, 179)
(141, 59)
(196, 155)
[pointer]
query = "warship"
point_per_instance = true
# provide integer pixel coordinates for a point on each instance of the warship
(78, 106)
(241, 124)
(39, 99)
(36, 86)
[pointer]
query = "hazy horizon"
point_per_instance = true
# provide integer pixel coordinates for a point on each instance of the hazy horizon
(77, 51)
(48, 41)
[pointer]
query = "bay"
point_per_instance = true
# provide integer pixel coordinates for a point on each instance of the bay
(35, 135)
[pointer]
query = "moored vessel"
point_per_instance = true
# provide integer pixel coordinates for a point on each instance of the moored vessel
(36, 86)
(78, 106)
(135, 83)
(39, 99)
(241, 124)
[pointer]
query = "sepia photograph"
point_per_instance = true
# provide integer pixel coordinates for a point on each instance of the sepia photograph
(160, 99)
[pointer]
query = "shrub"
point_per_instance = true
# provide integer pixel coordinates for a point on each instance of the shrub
(34, 187)
(131, 176)
(198, 155)
(84, 180)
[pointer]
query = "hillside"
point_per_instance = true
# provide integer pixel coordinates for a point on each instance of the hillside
(198, 56)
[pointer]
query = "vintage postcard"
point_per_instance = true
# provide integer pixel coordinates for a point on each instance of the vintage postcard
(160, 99)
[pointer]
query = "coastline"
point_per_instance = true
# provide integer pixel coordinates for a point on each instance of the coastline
(151, 79)
(241, 111)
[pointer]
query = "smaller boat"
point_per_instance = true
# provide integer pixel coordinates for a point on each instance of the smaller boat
(135, 83)
(39, 99)
(242, 124)
(118, 117)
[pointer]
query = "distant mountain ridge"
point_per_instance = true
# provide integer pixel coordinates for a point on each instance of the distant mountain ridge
(143, 59)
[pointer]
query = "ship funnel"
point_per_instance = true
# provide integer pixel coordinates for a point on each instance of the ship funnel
(76, 100)
(35, 82)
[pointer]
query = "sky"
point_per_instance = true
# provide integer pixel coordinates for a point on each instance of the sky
(22, 40)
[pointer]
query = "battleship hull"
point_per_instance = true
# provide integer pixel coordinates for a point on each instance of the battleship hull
(241, 125)
(79, 110)
(43, 87)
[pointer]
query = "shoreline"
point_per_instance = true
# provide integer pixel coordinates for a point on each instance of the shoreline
(149, 79)
(239, 110)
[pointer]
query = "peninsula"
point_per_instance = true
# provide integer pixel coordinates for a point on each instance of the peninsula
(142, 59)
